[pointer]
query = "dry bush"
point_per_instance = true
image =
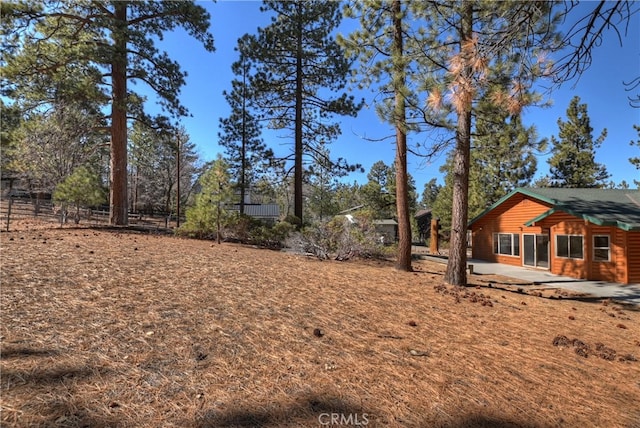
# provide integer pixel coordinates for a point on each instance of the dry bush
(343, 240)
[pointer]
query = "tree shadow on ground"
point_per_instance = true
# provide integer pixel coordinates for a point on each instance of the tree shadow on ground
(318, 411)
(10, 352)
(51, 395)
(306, 411)
(47, 376)
(478, 420)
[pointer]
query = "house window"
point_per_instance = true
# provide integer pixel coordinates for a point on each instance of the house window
(506, 243)
(601, 249)
(569, 246)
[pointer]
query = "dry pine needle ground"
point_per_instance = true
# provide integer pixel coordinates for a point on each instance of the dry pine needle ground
(108, 328)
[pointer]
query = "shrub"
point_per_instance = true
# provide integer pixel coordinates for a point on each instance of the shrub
(248, 230)
(342, 239)
(239, 227)
(293, 220)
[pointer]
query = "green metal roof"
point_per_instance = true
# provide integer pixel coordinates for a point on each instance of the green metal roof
(604, 207)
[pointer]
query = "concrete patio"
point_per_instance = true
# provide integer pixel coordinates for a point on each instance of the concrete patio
(543, 278)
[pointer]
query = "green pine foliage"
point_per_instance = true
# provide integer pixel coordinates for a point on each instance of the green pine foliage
(379, 193)
(87, 50)
(153, 161)
(81, 189)
(380, 45)
(573, 162)
(247, 154)
(322, 181)
(430, 193)
(10, 118)
(298, 74)
(206, 218)
(48, 146)
(451, 56)
(504, 154)
(503, 158)
(473, 51)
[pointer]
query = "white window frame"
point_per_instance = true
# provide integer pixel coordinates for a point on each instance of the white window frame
(515, 237)
(569, 246)
(608, 248)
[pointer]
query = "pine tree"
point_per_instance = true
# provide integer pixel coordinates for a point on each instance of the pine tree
(10, 119)
(379, 44)
(379, 194)
(50, 145)
(52, 37)
(503, 156)
(482, 37)
(209, 213)
(154, 171)
(322, 182)
(380, 191)
(573, 162)
(430, 193)
(441, 207)
(81, 188)
(449, 50)
(241, 133)
(297, 64)
(348, 195)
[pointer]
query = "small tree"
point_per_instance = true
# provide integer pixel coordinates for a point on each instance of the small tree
(209, 213)
(82, 189)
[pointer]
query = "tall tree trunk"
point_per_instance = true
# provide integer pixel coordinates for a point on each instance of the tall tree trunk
(136, 183)
(218, 225)
(178, 183)
(243, 153)
(456, 273)
(118, 202)
(167, 199)
(403, 261)
(297, 175)
(456, 267)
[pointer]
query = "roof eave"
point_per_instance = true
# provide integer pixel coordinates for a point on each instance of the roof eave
(590, 219)
(541, 217)
(628, 226)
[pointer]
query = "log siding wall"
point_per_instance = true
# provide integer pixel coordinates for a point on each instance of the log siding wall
(509, 217)
(632, 259)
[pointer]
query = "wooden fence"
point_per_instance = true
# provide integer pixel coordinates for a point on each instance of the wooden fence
(14, 209)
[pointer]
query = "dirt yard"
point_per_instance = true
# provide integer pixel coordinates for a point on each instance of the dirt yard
(112, 328)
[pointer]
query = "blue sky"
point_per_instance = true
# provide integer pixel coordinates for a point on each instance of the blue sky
(601, 88)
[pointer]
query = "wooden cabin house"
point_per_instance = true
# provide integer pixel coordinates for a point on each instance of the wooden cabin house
(591, 234)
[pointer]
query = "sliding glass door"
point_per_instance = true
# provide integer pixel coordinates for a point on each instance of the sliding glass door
(536, 250)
